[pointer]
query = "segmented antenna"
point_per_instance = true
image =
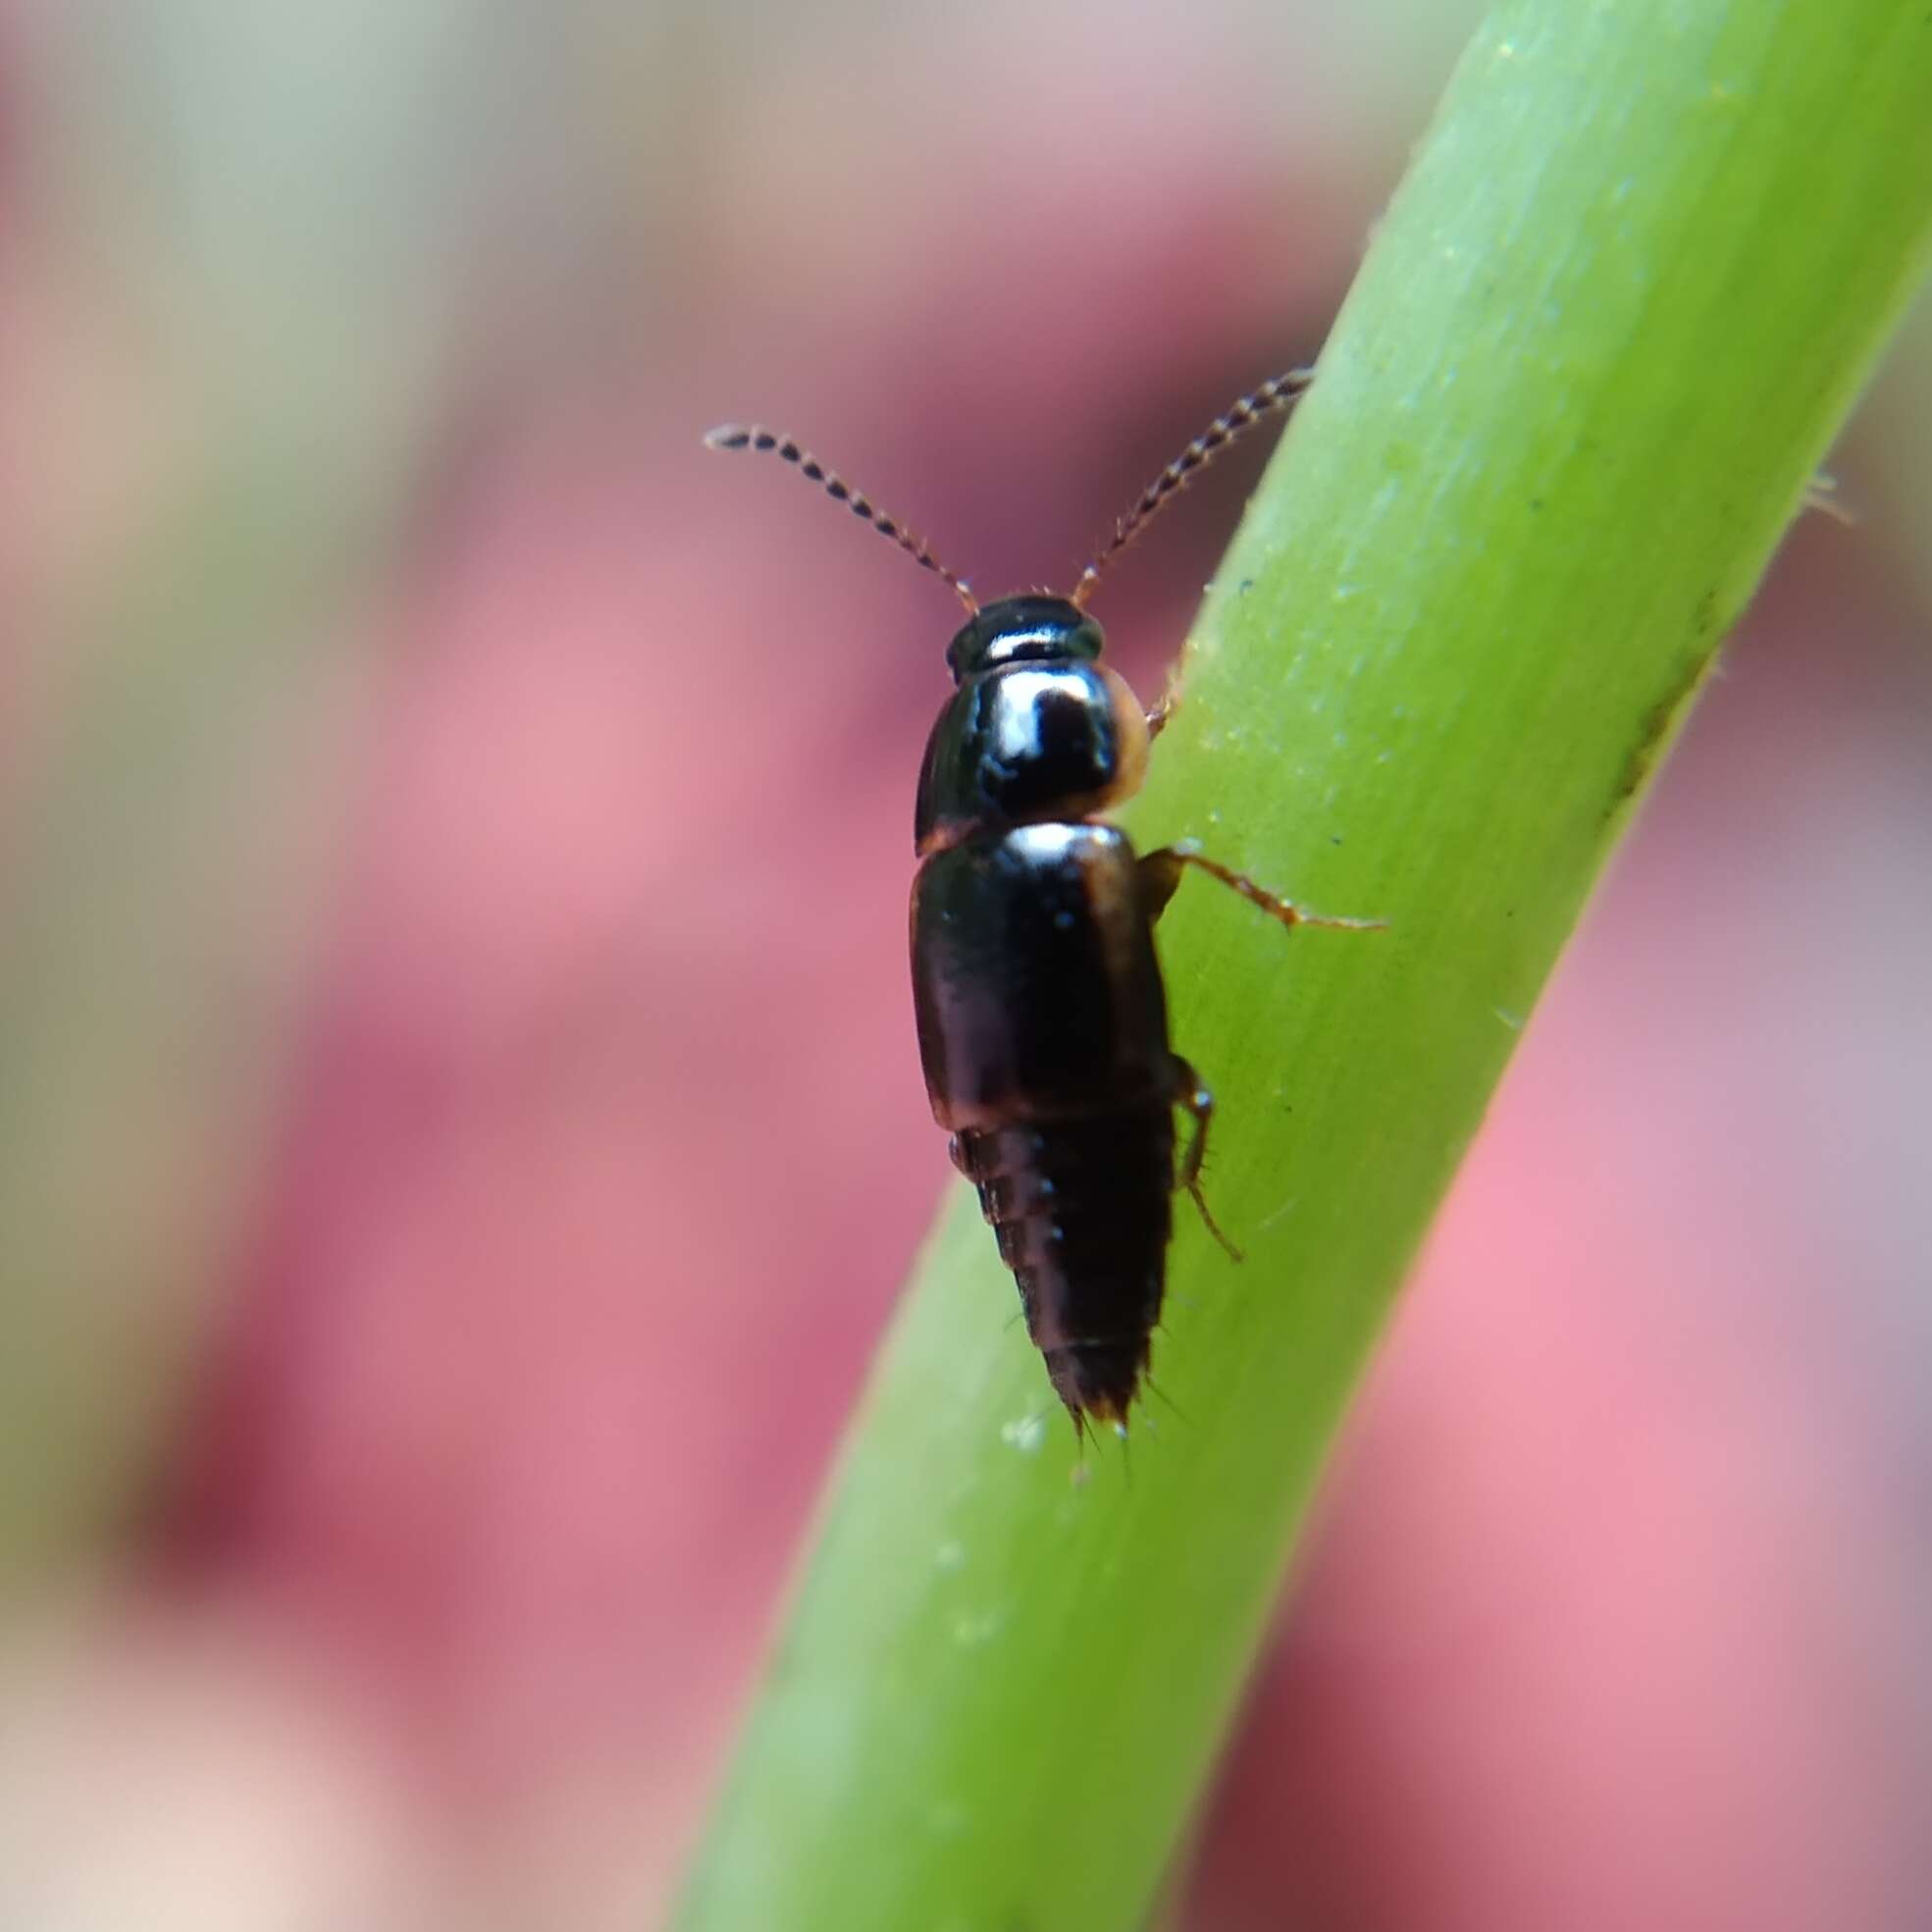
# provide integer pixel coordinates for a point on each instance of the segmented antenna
(754, 435)
(1223, 430)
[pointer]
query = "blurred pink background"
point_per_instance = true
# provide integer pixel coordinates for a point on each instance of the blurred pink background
(465, 1134)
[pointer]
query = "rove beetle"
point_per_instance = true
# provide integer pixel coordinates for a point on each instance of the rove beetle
(1042, 1018)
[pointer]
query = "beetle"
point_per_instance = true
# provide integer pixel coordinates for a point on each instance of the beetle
(1041, 1012)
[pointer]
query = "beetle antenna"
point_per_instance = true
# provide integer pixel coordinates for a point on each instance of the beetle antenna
(754, 435)
(1274, 394)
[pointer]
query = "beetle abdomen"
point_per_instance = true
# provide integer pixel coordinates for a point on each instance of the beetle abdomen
(1080, 1208)
(1044, 1031)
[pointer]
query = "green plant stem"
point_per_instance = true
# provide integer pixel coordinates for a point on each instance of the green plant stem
(1619, 309)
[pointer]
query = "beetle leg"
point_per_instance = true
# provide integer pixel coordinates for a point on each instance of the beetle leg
(1159, 874)
(1190, 1093)
(1168, 703)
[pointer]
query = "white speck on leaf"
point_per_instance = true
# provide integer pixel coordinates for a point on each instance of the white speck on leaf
(1024, 1434)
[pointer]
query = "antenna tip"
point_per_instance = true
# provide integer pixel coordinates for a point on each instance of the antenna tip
(727, 436)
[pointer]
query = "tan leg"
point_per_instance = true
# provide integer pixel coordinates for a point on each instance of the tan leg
(1160, 876)
(1167, 704)
(1188, 1092)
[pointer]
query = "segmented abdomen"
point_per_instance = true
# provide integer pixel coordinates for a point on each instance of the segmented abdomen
(1081, 1210)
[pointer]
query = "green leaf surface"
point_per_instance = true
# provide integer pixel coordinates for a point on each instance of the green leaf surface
(1618, 311)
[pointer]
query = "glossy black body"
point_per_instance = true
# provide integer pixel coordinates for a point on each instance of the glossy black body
(1042, 1019)
(1030, 732)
